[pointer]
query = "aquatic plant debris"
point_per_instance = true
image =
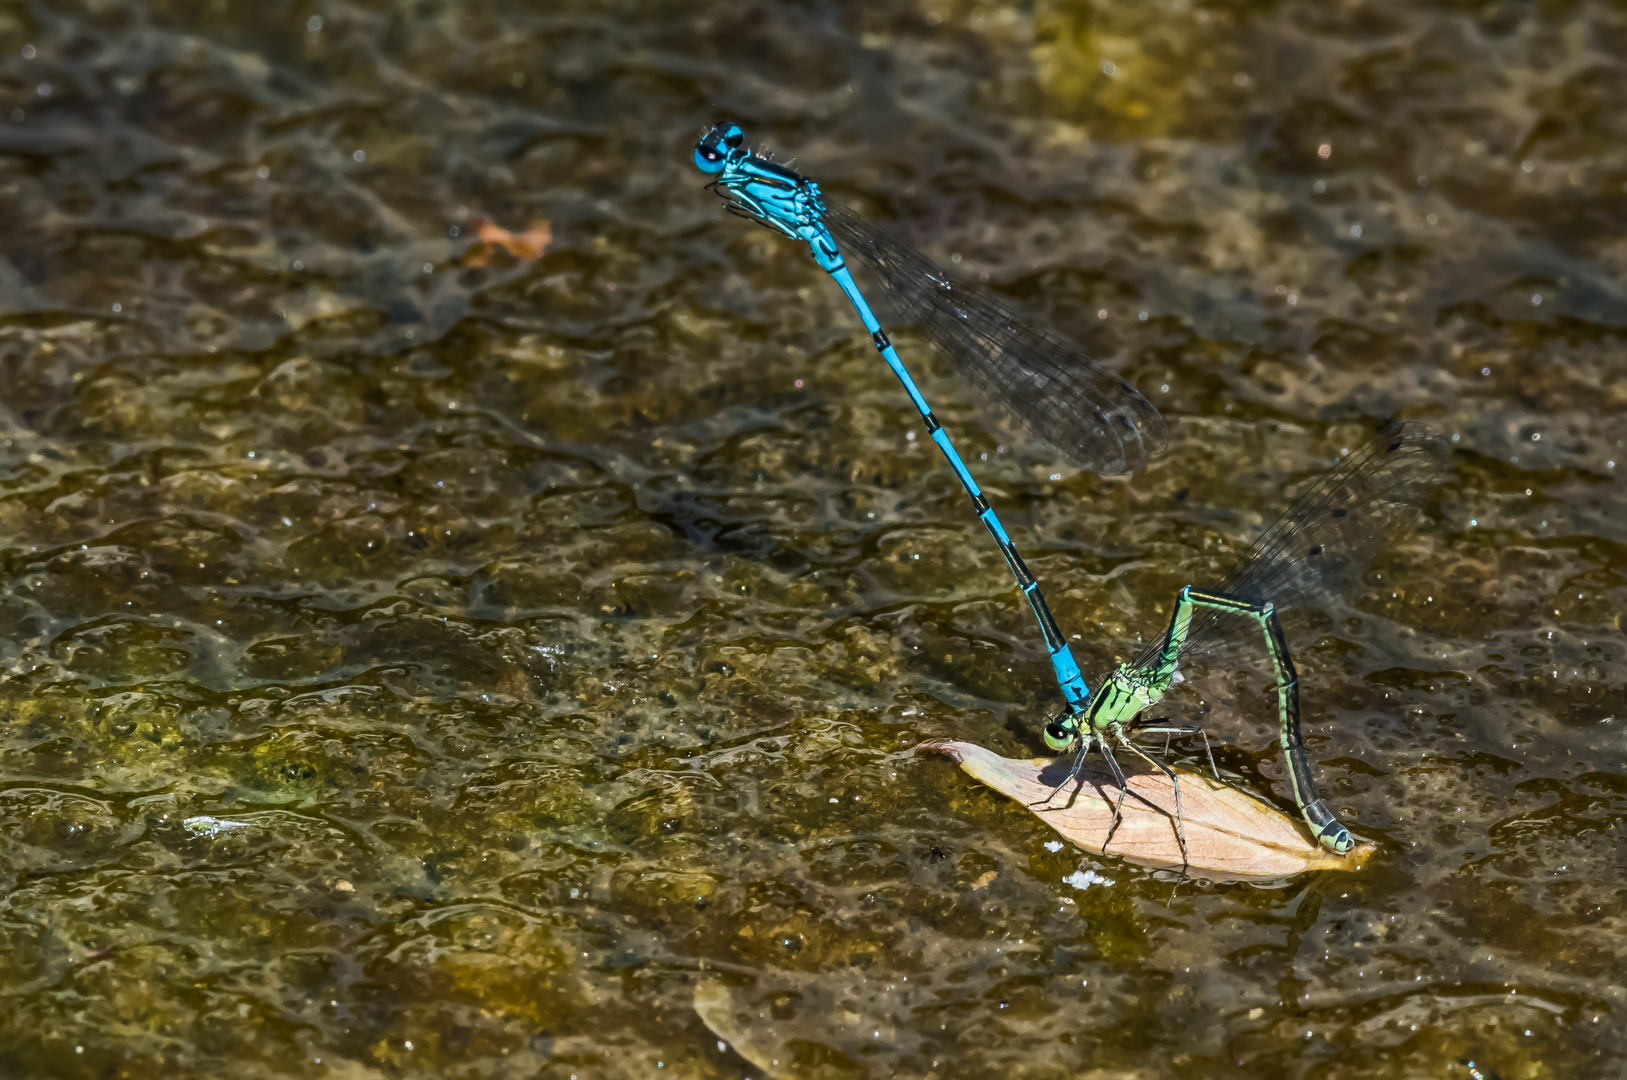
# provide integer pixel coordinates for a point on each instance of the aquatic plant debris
(204, 825)
(1230, 833)
(527, 246)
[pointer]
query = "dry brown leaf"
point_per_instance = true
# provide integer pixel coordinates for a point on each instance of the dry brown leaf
(491, 237)
(1229, 833)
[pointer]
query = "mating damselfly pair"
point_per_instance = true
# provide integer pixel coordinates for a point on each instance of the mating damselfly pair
(1103, 423)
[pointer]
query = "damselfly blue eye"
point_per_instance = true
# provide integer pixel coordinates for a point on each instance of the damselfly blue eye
(714, 147)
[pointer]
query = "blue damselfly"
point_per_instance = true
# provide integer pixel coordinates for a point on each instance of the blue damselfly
(1094, 416)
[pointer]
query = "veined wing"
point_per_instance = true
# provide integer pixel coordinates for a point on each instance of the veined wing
(1371, 499)
(1088, 412)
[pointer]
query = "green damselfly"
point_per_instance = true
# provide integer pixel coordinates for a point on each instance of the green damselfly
(1372, 498)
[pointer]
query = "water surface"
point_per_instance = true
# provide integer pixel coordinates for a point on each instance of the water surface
(426, 659)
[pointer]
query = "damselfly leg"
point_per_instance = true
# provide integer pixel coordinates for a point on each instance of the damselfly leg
(1175, 782)
(1124, 786)
(1122, 782)
(1163, 726)
(1075, 767)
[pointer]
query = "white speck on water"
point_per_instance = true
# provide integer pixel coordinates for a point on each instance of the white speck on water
(1084, 879)
(1053, 846)
(203, 825)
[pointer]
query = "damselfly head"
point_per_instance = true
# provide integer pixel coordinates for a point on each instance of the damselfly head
(712, 152)
(1062, 733)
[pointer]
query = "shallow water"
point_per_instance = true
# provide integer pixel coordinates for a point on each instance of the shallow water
(422, 659)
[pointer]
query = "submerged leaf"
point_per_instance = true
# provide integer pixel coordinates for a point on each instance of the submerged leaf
(1229, 833)
(812, 1025)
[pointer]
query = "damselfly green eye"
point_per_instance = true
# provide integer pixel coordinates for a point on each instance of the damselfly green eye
(1057, 736)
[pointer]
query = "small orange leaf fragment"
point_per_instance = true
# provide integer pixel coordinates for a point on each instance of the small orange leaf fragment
(491, 238)
(1230, 834)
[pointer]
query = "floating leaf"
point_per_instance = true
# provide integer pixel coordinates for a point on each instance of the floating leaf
(1229, 833)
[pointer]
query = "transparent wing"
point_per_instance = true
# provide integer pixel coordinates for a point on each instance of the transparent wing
(1092, 415)
(1373, 498)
